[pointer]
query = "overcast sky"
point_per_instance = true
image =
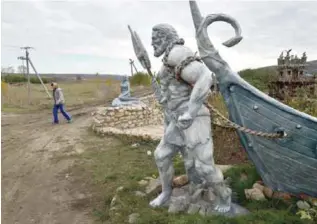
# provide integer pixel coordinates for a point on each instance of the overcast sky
(92, 36)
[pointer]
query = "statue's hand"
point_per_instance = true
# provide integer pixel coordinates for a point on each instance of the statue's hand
(185, 121)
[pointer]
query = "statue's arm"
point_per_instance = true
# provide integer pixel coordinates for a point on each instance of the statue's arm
(197, 74)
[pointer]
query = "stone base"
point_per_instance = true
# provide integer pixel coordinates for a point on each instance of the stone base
(199, 200)
(121, 103)
(236, 210)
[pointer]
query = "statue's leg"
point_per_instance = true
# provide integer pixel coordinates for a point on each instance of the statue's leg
(206, 168)
(188, 157)
(164, 154)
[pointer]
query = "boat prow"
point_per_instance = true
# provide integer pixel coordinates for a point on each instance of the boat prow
(287, 164)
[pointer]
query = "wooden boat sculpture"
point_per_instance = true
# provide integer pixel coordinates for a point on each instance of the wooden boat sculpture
(286, 164)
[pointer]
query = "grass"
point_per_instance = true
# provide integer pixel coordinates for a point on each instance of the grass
(15, 97)
(258, 77)
(109, 163)
(308, 106)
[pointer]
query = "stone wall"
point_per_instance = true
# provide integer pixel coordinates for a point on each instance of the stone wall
(129, 117)
(150, 101)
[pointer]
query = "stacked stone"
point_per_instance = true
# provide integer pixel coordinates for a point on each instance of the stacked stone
(127, 117)
(150, 101)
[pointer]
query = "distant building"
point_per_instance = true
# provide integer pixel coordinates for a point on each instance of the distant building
(291, 76)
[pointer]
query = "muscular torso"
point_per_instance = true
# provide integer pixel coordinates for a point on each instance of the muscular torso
(176, 93)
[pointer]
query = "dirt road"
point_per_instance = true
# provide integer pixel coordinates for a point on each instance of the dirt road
(35, 183)
(33, 190)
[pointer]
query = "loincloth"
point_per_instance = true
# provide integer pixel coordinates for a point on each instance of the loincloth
(198, 133)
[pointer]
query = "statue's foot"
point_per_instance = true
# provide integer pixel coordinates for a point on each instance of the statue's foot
(161, 199)
(222, 208)
(223, 203)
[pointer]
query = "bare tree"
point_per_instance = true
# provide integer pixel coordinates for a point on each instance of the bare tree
(22, 69)
(7, 70)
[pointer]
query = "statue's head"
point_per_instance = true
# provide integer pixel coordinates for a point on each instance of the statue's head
(162, 36)
(125, 79)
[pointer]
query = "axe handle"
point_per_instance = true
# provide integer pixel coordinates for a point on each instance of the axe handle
(149, 72)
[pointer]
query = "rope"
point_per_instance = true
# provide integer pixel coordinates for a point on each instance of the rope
(179, 68)
(169, 48)
(232, 125)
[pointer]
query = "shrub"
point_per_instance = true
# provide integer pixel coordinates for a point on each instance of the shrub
(302, 102)
(14, 78)
(78, 78)
(140, 79)
(35, 80)
(308, 106)
(18, 78)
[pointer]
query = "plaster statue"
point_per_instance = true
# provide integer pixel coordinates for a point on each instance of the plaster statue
(125, 99)
(187, 120)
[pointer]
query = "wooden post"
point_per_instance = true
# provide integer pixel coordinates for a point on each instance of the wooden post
(39, 77)
(132, 65)
(28, 75)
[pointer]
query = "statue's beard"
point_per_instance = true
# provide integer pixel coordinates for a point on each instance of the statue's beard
(159, 50)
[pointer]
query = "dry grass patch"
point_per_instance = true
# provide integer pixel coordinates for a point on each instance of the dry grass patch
(15, 96)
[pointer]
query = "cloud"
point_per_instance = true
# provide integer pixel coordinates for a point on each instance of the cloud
(92, 36)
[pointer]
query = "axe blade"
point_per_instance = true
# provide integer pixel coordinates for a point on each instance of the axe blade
(140, 50)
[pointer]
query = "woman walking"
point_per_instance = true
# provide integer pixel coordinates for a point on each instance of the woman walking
(59, 103)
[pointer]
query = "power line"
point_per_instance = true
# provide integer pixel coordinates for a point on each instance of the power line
(12, 46)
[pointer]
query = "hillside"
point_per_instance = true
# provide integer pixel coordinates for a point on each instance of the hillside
(83, 76)
(260, 77)
(311, 67)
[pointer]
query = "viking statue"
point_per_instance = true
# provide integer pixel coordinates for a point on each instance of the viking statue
(185, 87)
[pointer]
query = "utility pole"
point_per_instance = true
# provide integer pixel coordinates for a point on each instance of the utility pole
(27, 73)
(29, 62)
(133, 66)
(27, 70)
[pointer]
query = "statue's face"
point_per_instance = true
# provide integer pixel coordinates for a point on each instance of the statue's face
(159, 43)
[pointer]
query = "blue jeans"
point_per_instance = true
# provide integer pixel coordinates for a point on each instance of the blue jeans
(55, 112)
